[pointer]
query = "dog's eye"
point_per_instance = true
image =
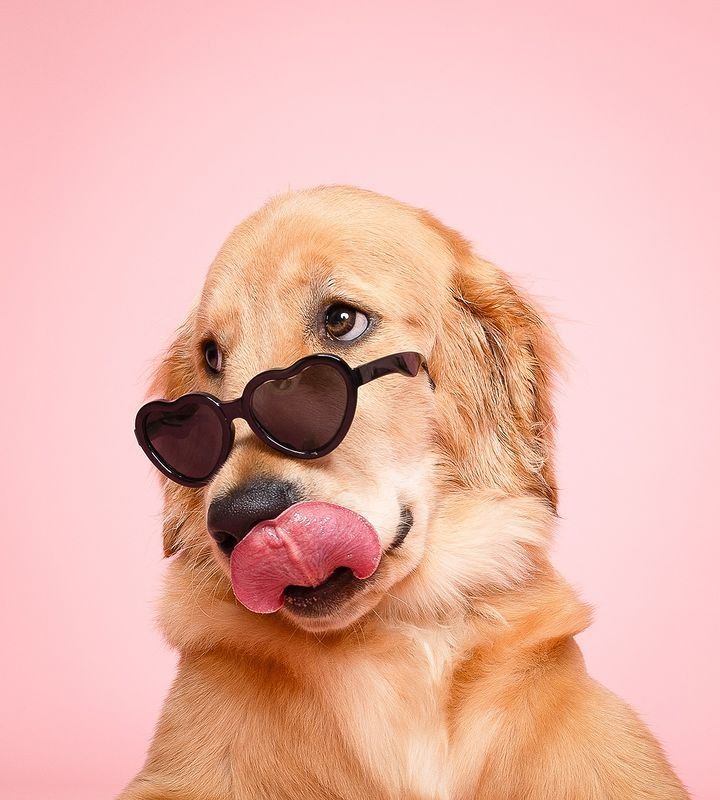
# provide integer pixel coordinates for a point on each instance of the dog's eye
(344, 323)
(213, 356)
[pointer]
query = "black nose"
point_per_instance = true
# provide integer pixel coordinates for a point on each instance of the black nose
(231, 516)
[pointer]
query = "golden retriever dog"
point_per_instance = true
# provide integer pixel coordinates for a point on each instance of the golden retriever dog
(444, 665)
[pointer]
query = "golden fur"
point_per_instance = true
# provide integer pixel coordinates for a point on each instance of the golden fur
(456, 674)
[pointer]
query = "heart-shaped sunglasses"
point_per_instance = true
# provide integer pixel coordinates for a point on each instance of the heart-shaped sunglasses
(303, 411)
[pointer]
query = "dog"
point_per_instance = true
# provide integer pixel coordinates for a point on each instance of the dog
(430, 651)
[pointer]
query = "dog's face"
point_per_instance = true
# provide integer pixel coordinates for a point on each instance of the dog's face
(347, 272)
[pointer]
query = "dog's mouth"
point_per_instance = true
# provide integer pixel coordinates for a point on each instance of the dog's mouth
(309, 559)
(341, 585)
(322, 600)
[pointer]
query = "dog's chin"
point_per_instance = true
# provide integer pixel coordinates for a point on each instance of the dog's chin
(343, 599)
(333, 616)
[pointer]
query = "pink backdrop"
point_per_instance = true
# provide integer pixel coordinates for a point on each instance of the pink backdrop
(576, 144)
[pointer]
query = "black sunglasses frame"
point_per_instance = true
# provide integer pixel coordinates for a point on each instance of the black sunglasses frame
(408, 364)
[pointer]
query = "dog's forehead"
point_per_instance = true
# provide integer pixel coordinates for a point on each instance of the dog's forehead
(299, 254)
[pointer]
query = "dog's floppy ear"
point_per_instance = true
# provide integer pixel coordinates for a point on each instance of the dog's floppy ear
(174, 377)
(493, 364)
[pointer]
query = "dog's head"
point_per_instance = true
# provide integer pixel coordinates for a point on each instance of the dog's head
(452, 468)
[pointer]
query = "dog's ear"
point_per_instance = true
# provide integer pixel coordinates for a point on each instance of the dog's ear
(493, 363)
(175, 376)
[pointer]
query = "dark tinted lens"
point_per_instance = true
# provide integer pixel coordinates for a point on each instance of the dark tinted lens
(187, 436)
(303, 412)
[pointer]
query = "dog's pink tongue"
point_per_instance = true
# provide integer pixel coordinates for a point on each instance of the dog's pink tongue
(301, 547)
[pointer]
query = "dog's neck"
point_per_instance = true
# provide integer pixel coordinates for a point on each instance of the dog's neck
(393, 692)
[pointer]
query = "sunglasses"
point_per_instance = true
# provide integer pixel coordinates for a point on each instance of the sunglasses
(303, 411)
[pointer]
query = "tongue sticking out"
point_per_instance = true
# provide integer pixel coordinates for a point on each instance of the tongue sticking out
(303, 546)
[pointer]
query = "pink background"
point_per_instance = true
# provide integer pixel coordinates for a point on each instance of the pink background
(576, 144)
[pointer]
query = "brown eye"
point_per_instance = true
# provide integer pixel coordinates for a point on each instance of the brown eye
(213, 356)
(345, 323)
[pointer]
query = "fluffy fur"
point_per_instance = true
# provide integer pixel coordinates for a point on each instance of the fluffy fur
(455, 675)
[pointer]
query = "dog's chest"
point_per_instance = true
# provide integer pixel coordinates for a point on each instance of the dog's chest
(391, 708)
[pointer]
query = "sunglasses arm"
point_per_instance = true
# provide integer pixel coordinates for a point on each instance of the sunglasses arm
(400, 363)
